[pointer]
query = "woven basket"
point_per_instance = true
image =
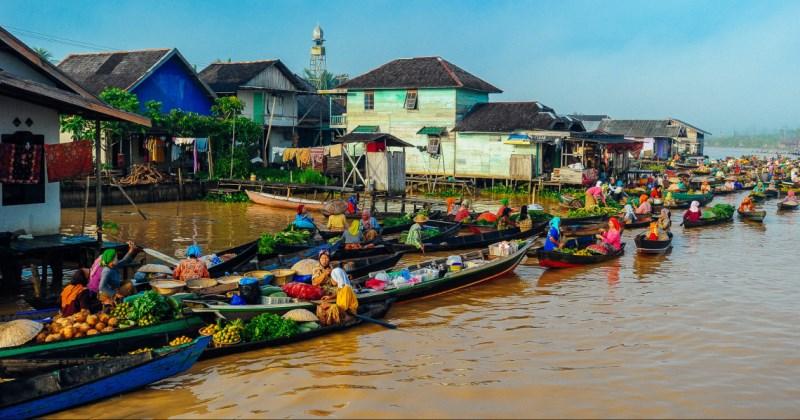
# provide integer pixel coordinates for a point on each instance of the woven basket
(283, 276)
(199, 284)
(167, 287)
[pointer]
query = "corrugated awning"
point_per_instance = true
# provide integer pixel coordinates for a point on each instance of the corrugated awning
(366, 129)
(432, 131)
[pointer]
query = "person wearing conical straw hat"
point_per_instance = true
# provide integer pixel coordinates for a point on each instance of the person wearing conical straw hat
(414, 237)
(337, 221)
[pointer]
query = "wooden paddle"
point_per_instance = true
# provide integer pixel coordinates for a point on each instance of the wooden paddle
(161, 256)
(376, 321)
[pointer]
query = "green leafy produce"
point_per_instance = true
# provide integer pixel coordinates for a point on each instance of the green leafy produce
(397, 221)
(268, 242)
(427, 233)
(149, 308)
(595, 211)
(269, 326)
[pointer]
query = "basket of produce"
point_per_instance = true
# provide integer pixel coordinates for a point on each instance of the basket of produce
(210, 329)
(180, 341)
(167, 287)
(230, 280)
(199, 284)
(305, 266)
(263, 276)
(283, 276)
(229, 335)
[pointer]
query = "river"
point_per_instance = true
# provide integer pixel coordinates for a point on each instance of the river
(709, 330)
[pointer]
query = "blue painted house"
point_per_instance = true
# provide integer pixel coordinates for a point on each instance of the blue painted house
(161, 75)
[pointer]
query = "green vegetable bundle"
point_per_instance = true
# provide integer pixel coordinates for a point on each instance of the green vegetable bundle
(594, 211)
(723, 211)
(150, 304)
(269, 326)
(397, 221)
(269, 242)
(427, 233)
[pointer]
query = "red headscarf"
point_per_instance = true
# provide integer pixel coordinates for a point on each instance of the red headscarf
(614, 222)
(300, 209)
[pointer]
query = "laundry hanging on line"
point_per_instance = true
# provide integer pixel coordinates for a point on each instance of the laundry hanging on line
(68, 160)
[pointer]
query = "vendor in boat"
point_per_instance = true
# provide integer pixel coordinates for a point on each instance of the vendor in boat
(553, 240)
(747, 205)
(451, 206)
(503, 207)
(593, 195)
(337, 222)
(705, 187)
(353, 236)
(111, 285)
(341, 306)
(665, 220)
(303, 220)
(652, 233)
(463, 212)
(524, 221)
(759, 188)
(414, 237)
(611, 239)
(191, 267)
(322, 275)
(729, 185)
(655, 192)
(370, 227)
(504, 222)
(790, 198)
(76, 296)
(629, 215)
(617, 193)
(693, 214)
(645, 208)
(352, 205)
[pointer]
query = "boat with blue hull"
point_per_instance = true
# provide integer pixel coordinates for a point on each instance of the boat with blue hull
(86, 381)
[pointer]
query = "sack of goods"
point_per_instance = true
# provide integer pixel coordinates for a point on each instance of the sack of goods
(502, 249)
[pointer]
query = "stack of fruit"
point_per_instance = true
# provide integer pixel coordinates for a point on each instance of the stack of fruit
(230, 334)
(180, 341)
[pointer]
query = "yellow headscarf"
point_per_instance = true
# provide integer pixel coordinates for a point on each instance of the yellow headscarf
(353, 230)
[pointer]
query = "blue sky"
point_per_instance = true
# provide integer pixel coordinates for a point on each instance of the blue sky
(724, 65)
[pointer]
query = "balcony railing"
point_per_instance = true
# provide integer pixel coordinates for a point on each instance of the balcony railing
(339, 121)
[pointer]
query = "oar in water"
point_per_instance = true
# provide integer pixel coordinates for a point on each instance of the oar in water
(161, 256)
(376, 321)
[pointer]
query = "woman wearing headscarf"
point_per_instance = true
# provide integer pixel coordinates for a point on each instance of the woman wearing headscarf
(111, 285)
(337, 222)
(593, 195)
(665, 220)
(303, 220)
(76, 296)
(611, 239)
(321, 276)
(629, 215)
(414, 236)
(693, 214)
(191, 267)
(353, 236)
(503, 207)
(705, 187)
(652, 233)
(644, 205)
(524, 222)
(369, 226)
(345, 304)
(790, 197)
(747, 205)
(463, 212)
(553, 240)
(759, 188)
(451, 206)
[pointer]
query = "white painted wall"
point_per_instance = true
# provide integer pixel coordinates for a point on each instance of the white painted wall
(39, 219)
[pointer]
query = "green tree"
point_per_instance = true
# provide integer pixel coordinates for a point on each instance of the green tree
(327, 80)
(44, 54)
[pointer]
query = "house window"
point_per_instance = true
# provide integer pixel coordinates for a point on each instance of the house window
(16, 194)
(411, 99)
(369, 100)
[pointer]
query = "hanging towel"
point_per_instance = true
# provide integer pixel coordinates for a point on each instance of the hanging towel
(68, 160)
(202, 144)
(20, 164)
(183, 140)
(277, 154)
(176, 152)
(318, 158)
(335, 150)
(303, 158)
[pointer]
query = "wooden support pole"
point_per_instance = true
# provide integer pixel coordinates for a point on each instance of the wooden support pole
(116, 184)
(99, 184)
(85, 205)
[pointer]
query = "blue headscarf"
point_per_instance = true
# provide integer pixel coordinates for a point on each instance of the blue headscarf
(194, 251)
(555, 223)
(619, 183)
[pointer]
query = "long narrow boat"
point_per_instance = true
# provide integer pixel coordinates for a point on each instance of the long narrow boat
(242, 255)
(706, 222)
(693, 197)
(479, 268)
(67, 387)
(100, 343)
(642, 221)
(446, 230)
(483, 239)
(372, 310)
(283, 202)
(772, 193)
(387, 230)
(646, 246)
(224, 310)
(755, 216)
(287, 260)
(556, 259)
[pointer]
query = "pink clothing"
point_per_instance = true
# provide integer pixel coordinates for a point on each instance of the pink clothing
(596, 192)
(612, 238)
(95, 274)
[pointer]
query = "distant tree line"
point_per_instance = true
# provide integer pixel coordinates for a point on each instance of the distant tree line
(785, 139)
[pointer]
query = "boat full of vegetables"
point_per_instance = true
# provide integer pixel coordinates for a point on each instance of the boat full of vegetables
(269, 243)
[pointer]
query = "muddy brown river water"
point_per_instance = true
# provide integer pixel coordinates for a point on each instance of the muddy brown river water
(710, 330)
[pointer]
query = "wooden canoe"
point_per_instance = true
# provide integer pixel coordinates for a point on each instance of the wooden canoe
(67, 387)
(706, 222)
(483, 239)
(755, 216)
(783, 205)
(488, 269)
(555, 259)
(642, 221)
(283, 202)
(652, 247)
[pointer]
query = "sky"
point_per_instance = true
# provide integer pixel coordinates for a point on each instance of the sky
(727, 66)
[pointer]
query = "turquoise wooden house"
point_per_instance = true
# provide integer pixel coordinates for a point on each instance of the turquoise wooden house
(419, 100)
